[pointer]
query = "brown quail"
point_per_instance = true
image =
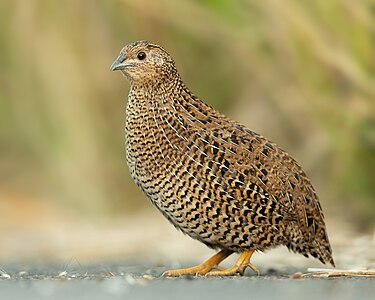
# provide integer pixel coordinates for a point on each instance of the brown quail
(211, 177)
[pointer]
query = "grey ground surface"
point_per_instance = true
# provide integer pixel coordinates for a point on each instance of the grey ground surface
(124, 260)
(123, 281)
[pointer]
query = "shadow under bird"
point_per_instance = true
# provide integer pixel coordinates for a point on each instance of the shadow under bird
(212, 177)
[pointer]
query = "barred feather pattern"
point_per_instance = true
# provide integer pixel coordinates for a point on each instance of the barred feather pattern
(213, 178)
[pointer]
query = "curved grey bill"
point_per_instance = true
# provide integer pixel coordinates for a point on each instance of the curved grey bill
(118, 64)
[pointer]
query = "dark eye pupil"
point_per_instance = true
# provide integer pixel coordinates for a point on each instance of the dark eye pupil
(141, 55)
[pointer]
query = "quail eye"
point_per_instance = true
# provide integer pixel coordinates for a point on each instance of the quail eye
(141, 55)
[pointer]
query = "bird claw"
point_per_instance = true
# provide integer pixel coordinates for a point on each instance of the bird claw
(239, 268)
(205, 269)
(254, 268)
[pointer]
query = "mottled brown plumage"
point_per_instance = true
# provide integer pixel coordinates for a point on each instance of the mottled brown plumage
(211, 177)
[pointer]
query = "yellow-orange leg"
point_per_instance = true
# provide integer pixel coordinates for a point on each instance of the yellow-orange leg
(203, 268)
(239, 267)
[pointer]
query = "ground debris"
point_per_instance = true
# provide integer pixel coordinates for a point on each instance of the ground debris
(4, 274)
(319, 272)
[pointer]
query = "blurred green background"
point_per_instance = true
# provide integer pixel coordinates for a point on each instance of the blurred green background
(301, 73)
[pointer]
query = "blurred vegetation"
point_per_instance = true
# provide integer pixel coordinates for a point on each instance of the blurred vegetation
(299, 72)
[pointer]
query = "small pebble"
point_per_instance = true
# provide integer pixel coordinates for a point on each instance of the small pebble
(22, 273)
(5, 276)
(148, 277)
(63, 274)
(297, 275)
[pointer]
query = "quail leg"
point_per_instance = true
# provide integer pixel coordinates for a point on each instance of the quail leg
(239, 267)
(203, 268)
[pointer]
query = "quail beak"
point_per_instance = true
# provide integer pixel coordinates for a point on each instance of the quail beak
(119, 63)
